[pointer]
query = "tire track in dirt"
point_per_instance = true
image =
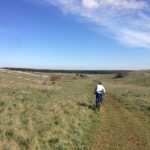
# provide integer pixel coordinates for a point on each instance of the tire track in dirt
(116, 130)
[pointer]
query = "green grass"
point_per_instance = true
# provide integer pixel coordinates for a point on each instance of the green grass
(48, 116)
(37, 113)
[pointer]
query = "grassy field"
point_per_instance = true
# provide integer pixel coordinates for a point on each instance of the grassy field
(43, 111)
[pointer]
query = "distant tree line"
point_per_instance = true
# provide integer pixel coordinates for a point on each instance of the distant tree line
(68, 71)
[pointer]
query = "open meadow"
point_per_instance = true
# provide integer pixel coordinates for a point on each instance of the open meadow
(55, 111)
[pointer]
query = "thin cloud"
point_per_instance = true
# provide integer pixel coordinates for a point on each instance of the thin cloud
(127, 21)
(140, 39)
(90, 4)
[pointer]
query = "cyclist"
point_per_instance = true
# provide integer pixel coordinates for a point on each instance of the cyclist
(100, 92)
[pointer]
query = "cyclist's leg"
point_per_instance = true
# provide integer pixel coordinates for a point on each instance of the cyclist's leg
(101, 97)
(97, 99)
(99, 102)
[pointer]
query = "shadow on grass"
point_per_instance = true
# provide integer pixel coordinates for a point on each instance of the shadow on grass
(89, 106)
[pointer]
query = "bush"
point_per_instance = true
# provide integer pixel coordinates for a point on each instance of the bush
(121, 75)
(24, 142)
(82, 75)
(54, 77)
(9, 134)
(77, 74)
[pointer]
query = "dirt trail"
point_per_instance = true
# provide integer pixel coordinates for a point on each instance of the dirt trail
(119, 128)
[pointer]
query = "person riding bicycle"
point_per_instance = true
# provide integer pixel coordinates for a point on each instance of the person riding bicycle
(100, 92)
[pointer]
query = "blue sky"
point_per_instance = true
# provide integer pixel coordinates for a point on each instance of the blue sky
(75, 34)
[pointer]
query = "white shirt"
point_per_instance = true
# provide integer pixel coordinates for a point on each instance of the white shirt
(100, 88)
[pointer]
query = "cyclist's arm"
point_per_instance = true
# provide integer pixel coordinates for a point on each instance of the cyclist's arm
(104, 90)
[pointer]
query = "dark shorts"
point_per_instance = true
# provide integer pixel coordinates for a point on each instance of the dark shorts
(99, 96)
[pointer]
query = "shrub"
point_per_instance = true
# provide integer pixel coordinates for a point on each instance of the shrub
(121, 75)
(77, 74)
(54, 77)
(24, 142)
(9, 134)
(53, 82)
(83, 75)
(53, 141)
